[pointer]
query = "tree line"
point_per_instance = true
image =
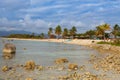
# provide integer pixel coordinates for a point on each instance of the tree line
(65, 33)
(101, 31)
(27, 36)
(58, 32)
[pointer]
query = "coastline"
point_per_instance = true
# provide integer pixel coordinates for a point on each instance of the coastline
(83, 42)
(95, 61)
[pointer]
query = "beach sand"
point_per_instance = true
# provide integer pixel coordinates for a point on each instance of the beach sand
(84, 42)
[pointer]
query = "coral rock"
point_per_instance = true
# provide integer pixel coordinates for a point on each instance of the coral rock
(61, 60)
(73, 66)
(30, 65)
(5, 68)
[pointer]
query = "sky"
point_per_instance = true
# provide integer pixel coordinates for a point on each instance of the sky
(38, 15)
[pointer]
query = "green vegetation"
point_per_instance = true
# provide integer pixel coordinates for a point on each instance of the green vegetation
(65, 32)
(73, 31)
(27, 36)
(100, 30)
(90, 33)
(50, 32)
(116, 30)
(103, 42)
(58, 30)
(98, 33)
(116, 42)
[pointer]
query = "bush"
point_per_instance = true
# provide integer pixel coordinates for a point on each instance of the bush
(103, 42)
(116, 42)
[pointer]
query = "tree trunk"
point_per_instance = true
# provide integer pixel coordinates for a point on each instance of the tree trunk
(104, 36)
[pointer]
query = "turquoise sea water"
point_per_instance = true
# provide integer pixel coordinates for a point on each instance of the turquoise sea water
(44, 53)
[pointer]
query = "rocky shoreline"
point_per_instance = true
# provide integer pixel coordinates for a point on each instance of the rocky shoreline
(106, 48)
(65, 69)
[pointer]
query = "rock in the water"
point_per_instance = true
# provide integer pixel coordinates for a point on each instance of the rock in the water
(39, 68)
(61, 60)
(9, 48)
(9, 51)
(73, 66)
(30, 65)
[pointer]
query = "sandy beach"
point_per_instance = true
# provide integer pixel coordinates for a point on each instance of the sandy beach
(84, 42)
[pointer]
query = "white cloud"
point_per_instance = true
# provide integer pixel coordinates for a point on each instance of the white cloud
(43, 8)
(38, 15)
(14, 4)
(26, 24)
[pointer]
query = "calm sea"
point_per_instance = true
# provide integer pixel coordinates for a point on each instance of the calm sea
(44, 53)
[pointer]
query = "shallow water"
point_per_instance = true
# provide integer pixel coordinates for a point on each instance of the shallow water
(44, 53)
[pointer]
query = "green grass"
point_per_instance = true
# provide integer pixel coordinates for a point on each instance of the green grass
(102, 42)
(111, 43)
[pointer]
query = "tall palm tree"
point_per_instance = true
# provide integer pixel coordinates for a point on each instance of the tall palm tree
(73, 31)
(50, 31)
(65, 32)
(116, 30)
(101, 29)
(58, 30)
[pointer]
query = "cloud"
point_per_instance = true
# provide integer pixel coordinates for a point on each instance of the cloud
(39, 15)
(26, 24)
(14, 4)
(43, 8)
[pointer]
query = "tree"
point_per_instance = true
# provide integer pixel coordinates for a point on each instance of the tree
(116, 30)
(90, 33)
(73, 31)
(50, 31)
(42, 35)
(65, 32)
(58, 30)
(32, 35)
(100, 30)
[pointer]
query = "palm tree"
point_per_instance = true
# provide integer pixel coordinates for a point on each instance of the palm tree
(58, 30)
(50, 31)
(73, 31)
(116, 30)
(91, 33)
(42, 35)
(101, 29)
(33, 35)
(65, 32)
